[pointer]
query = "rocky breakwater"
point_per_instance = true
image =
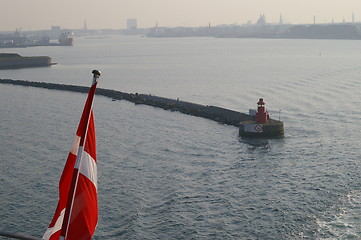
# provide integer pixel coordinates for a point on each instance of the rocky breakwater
(218, 114)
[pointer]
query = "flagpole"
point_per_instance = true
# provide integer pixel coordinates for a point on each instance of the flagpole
(74, 181)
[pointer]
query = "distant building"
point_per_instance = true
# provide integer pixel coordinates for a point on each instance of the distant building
(55, 28)
(261, 20)
(132, 24)
(281, 20)
(54, 32)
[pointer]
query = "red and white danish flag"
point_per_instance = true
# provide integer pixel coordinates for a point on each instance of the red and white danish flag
(76, 215)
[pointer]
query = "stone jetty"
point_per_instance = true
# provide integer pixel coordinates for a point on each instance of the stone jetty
(218, 114)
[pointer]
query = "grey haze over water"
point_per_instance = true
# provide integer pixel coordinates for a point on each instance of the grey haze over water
(165, 175)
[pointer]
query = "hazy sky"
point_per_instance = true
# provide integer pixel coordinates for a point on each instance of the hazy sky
(42, 14)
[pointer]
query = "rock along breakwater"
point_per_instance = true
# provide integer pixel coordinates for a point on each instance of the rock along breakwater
(218, 114)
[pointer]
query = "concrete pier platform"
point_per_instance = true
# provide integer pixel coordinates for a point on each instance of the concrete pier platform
(271, 129)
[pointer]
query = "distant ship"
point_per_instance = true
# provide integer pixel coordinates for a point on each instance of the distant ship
(65, 39)
(14, 60)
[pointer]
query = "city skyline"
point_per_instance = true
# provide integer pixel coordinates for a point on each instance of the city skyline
(113, 14)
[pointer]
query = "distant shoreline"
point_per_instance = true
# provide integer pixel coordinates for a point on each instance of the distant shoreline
(350, 31)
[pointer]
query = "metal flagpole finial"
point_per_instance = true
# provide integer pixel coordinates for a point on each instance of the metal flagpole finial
(96, 75)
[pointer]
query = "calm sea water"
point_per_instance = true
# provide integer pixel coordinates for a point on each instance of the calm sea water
(166, 175)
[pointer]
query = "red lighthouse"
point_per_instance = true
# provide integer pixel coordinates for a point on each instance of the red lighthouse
(262, 126)
(261, 115)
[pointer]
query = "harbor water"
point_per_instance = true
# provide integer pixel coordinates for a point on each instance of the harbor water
(167, 175)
